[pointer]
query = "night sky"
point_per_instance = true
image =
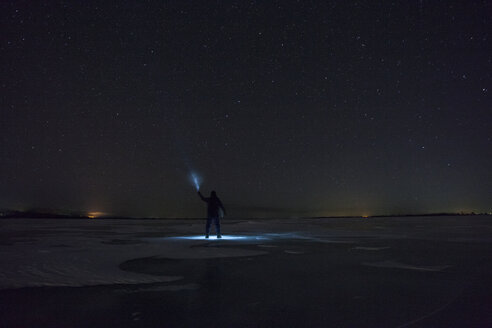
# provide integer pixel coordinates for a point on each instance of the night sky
(285, 108)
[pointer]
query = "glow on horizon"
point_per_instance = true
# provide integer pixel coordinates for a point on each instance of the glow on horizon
(93, 215)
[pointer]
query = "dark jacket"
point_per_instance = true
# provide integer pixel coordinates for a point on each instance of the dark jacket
(214, 204)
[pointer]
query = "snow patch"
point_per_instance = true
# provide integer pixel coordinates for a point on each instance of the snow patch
(293, 252)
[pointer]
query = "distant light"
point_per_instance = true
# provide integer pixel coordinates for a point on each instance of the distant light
(93, 215)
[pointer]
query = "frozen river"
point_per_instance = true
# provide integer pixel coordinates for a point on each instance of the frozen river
(344, 272)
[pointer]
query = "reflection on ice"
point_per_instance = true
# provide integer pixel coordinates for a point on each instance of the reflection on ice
(224, 237)
(256, 237)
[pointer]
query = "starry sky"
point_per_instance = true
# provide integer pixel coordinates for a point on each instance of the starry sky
(285, 108)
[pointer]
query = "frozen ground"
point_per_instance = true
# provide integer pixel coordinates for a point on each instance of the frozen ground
(376, 272)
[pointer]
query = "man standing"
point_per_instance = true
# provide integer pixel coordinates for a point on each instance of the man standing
(215, 211)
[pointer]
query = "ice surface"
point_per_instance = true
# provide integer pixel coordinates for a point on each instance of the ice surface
(365, 248)
(159, 288)
(377, 272)
(80, 261)
(397, 265)
(293, 252)
(83, 253)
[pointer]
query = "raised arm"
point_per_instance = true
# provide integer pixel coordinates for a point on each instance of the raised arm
(201, 196)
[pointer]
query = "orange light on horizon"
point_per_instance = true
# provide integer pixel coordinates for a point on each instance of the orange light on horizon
(93, 215)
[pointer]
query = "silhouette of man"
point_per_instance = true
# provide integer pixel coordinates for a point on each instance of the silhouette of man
(215, 211)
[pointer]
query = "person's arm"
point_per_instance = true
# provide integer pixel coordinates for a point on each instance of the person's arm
(201, 196)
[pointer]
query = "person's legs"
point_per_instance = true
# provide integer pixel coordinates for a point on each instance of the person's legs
(207, 227)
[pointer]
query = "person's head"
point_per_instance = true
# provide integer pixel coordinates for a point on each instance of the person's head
(213, 194)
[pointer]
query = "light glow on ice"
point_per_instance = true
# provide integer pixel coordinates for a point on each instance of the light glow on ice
(224, 237)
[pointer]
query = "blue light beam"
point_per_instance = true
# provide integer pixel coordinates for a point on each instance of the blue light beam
(196, 180)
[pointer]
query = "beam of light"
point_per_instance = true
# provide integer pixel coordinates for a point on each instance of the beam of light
(196, 180)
